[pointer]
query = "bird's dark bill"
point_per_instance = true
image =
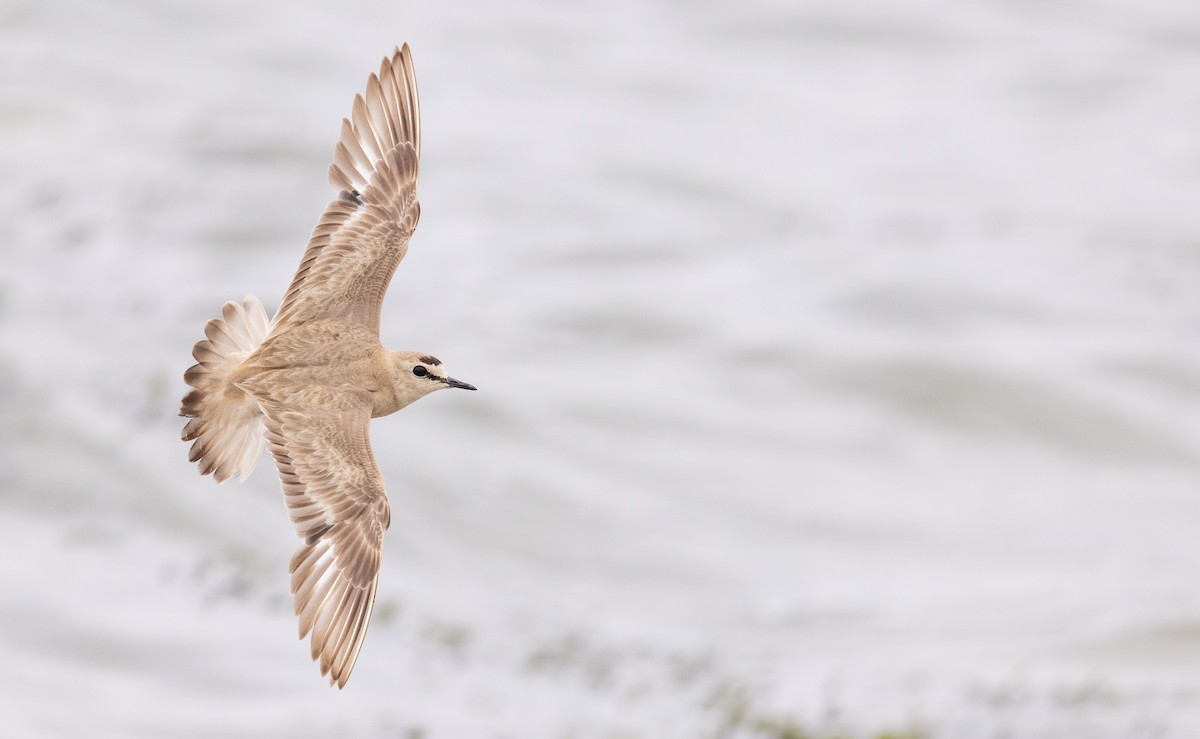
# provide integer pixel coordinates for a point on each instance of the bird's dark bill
(451, 382)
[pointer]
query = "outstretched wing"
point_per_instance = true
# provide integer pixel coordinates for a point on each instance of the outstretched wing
(364, 233)
(334, 494)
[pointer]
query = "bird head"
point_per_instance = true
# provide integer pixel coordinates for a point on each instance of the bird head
(416, 375)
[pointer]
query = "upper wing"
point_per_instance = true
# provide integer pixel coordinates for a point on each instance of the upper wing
(364, 233)
(334, 494)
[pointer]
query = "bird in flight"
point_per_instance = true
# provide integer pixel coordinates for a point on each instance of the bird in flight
(307, 383)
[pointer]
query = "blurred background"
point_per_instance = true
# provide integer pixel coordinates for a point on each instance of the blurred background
(838, 363)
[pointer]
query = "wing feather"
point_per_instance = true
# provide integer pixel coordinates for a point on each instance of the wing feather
(363, 130)
(334, 493)
(363, 234)
(361, 162)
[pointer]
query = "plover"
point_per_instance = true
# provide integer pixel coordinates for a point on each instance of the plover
(307, 383)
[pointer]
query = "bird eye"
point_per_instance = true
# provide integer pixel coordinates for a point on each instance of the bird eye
(420, 371)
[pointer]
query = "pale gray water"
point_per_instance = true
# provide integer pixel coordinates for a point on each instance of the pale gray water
(838, 368)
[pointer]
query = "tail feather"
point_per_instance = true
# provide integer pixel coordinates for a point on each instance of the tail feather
(225, 425)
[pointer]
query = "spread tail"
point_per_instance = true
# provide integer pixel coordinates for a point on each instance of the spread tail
(226, 427)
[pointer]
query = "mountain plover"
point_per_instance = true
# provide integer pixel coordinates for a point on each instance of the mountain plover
(307, 383)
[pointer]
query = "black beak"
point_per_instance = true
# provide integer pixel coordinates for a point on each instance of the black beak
(451, 382)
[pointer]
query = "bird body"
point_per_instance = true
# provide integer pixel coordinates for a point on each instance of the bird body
(306, 383)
